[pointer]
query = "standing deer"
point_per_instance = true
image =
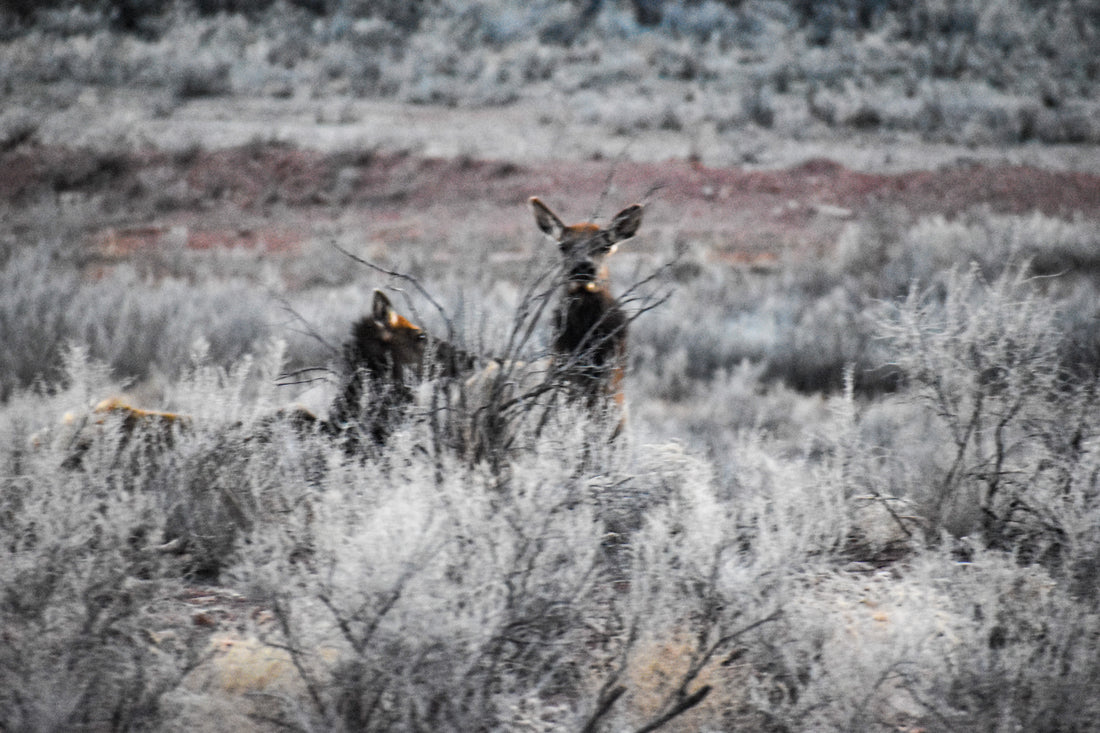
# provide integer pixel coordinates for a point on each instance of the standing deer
(589, 325)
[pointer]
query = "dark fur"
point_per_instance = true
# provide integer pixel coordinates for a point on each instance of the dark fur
(590, 328)
(382, 362)
(590, 341)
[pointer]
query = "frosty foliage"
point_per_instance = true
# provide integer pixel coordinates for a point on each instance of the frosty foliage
(742, 556)
(984, 360)
(969, 72)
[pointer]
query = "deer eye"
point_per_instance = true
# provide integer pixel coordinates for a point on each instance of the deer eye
(601, 245)
(421, 336)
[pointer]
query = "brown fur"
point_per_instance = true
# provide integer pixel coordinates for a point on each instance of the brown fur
(590, 327)
(152, 430)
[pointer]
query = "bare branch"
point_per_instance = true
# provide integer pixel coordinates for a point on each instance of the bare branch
(679, 709)
(685, 702)
(287, 379)
(282, 616)
(603, 706)
(407, 278)
(606, 190)
(309, 330)
(657, 186)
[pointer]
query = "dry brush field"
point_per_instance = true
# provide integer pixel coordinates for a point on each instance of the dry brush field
(856, 487)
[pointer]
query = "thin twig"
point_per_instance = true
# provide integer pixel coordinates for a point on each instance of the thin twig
(619, 159)
(681, 707)
(611, 689)
(652, 190)
(603, 706)
(686, 702)
(282, 616)
(287, 379)
(407, 278)
(309, 329)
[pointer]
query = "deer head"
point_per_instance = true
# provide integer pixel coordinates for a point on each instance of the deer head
(586, 246)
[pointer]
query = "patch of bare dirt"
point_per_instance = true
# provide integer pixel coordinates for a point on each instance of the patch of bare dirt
(268, 196)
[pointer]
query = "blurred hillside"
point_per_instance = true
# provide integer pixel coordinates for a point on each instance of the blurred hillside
(958, 71)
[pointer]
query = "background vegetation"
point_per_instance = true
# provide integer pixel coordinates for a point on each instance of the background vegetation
(959, 71)
(857, 492)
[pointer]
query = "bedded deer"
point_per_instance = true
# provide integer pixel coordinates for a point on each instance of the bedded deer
(386, 357)
(156, 431)
(590, 327)
(385, 351)
(152, 432)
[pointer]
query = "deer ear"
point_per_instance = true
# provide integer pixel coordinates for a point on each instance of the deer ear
(382, 310)
(626, 222)
(546, 220)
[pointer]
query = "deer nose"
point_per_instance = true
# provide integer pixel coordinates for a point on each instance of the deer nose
(583, 272)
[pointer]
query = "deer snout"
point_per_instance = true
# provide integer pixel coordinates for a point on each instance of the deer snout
(583, 272)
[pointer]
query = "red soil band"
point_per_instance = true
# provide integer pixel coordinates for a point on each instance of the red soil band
(257, 175)
(393, 193)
